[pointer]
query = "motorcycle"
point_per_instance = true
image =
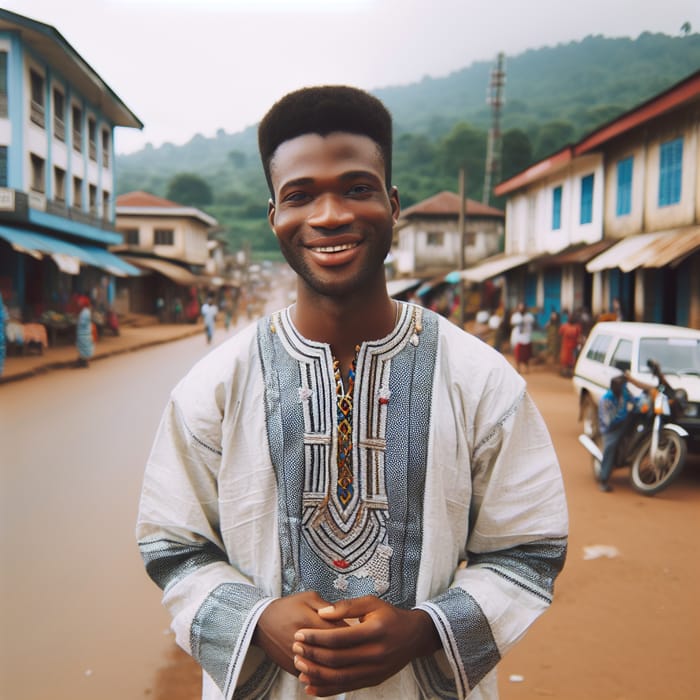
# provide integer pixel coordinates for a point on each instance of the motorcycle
(652, 445)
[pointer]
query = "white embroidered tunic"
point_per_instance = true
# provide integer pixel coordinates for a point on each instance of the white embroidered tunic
(456, 506)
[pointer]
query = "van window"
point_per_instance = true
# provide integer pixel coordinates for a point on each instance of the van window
(622, 358)
(599, 348)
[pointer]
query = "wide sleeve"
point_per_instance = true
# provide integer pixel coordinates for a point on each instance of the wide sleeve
(214, 607)
(516, 547)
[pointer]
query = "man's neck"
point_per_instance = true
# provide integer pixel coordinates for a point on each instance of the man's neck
(344, 324)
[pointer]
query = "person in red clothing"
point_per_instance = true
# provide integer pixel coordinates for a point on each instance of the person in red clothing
(570, 332)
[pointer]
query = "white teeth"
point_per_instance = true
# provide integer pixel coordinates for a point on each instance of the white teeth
(335, 248)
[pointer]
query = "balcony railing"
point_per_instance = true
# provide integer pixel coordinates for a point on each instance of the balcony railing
(92, 150)
(3, 105)
(59, 128)
(77, 141)
(36, 113)
(105, 158)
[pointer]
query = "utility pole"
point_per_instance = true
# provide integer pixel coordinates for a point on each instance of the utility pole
(462, 226)
(494, 97)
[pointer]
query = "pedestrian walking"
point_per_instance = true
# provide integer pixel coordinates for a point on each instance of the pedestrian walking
(522, 323)
(209, 311)
(352, 497)
(85, 341)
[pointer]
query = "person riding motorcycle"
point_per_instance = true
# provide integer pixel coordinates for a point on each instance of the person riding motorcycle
(615, 410)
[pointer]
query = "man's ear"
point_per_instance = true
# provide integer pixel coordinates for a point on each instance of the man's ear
(271, 214)
(395, 203)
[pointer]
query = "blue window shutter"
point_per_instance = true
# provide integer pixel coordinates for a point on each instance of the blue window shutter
(3, 166)
(587, 199)
(670, 172)
(624, 186)
(556, 208)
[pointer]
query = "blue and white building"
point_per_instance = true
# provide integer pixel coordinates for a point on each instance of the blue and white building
(57, 178)
(616, 215)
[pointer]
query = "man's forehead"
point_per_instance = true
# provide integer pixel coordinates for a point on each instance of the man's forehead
(337, 145)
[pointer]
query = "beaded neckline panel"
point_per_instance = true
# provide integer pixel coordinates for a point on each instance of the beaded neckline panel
(335, 479)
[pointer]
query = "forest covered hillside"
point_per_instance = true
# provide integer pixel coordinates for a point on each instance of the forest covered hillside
(553, 96)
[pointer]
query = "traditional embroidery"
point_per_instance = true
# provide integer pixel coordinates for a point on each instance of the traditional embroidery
(345, 486)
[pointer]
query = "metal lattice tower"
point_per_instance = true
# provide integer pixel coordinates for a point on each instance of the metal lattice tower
(494, 97)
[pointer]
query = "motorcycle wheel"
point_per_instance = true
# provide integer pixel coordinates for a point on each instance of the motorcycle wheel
(649, 478)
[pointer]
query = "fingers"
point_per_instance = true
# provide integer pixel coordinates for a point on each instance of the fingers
(350, 608)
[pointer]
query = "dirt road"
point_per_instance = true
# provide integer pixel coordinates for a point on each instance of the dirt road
(621, 627)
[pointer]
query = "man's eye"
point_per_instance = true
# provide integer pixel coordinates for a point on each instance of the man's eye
(295, 197)
(359, 190)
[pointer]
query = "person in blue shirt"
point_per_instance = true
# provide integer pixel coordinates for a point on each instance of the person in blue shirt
(614, 411)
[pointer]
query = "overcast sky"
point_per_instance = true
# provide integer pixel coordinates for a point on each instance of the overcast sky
(194, 66)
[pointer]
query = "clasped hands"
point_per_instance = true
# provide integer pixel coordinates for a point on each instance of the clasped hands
(352, 644)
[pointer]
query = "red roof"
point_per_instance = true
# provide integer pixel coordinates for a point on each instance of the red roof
(447, 204)
(143, 199)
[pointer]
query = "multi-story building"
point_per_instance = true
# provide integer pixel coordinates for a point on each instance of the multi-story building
(57, 179)
(170, 243)
(616, 215)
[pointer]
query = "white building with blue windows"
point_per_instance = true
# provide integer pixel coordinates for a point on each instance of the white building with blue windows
(616, 215)
(57, 180)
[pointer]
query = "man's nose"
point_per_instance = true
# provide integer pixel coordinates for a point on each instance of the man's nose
(330, 211)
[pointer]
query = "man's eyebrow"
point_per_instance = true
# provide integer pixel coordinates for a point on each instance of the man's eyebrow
(348, 176)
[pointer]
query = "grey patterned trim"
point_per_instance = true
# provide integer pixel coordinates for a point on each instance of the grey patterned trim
(532, 566)
(499, 424)
(201, 442)
(168, 562)
(219, 632)
(466, 637)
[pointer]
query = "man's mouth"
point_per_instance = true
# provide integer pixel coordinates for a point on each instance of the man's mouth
(334, 248)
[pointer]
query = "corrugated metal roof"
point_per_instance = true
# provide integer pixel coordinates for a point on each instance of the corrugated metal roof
(673, 248)
(649, 250)
(577, 253)
(494, 266)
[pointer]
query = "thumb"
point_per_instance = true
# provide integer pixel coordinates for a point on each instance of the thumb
(345, 609)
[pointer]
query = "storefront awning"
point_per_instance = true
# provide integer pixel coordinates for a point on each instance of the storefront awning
(173, 272)
(494, 266)
(673, 248)
(575, 254)
(647, 250)
(67, 256)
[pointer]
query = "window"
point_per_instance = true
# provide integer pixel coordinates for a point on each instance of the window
(77, 114)
(164, 236)
(670, 172)
(587, 199)
(92, 198)
(105, 205)
(599, 348)
(624, 186)
(3, 166)
(436, 238)
(622, 358)
(3, 84)
(131, 236)
(36, 107)
(105, 148)
(59, 184)
(556, 208)
(92, 138)
(77, 192)
(59, 115)
(37, 164)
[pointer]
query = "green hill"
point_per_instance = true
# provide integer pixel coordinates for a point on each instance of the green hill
(553, 95)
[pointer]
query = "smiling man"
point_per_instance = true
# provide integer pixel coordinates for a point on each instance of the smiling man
(352, 497)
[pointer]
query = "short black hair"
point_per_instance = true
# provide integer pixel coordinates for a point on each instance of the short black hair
(323, 110)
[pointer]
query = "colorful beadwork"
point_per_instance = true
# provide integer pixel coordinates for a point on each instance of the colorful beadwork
(345, 487)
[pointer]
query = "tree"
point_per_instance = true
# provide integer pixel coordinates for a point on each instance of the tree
(516, 152)
(553, 136)
(189, 189)
(464, 147)
(686, 28)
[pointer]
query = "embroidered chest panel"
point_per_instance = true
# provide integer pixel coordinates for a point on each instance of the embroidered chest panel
(366, 539)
